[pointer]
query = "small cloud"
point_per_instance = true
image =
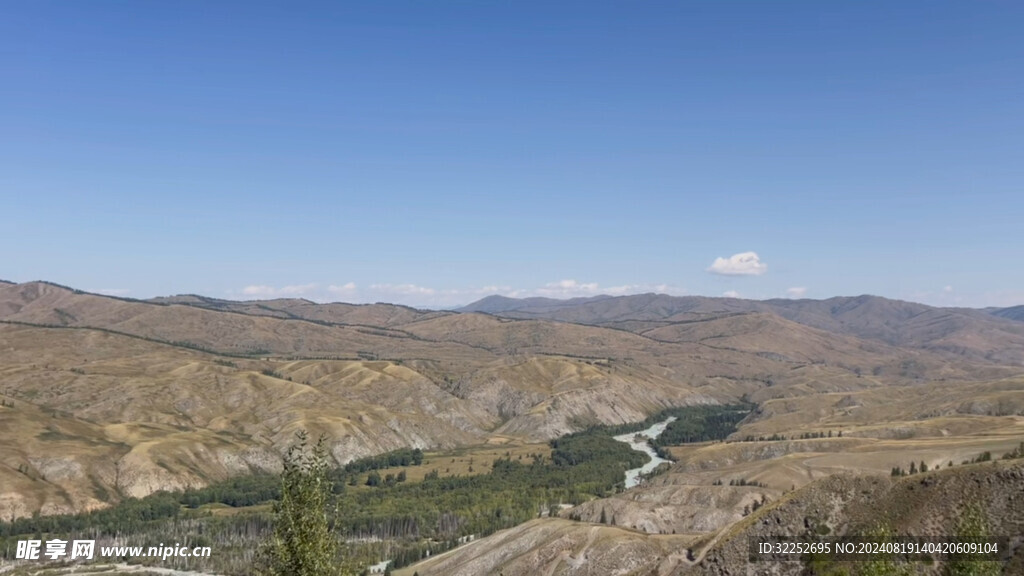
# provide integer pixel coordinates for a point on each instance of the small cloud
(403, 289)
(796, 292)
(343, 289)
(258, 290)
(263, 291)
(944, 297)
(568, 289)
(426, 296)
(742, 264)
(620, 290)
(574, 289)
(113, 291)
(731, 294)
(666, 289)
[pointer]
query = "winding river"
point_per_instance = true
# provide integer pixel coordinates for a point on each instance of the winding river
(641, 445)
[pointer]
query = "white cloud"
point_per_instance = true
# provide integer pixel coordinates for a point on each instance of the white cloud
(113, 291)
(731, 294)
(430, 297)
(568, 289)
(623, 290)
(403, 289)
(943, 297)
(574, 289)
(796, 292)
(742, 264)
(258, 290)
(263, 291)
(342, 289)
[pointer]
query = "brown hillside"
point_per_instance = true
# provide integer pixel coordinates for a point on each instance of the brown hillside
(185, 390)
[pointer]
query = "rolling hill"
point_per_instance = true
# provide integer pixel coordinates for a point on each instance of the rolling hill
(105, 398)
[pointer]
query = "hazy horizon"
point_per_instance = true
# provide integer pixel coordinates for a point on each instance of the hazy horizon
(313, 295)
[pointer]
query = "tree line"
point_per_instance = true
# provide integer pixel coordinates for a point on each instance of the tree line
(403, 521)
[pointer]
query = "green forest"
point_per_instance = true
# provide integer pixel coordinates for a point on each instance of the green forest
(702, 424)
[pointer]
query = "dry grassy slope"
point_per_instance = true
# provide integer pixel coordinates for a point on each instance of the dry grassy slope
(547, 397)
(882, 428)
(462, 339)
(695, 496)
(531, 337)
(687, 362)
(181, 418)
(895, 407)
(927, 505)
(774, 336)
(53, 463)
(112, 378)
(167, 417)
(751, 347)
(556, 547)
(468, 339)
(457, 345)
(780, 464)
(41, 303)
(666, 507)
(384, 315)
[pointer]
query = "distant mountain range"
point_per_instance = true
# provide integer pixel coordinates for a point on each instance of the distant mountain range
(653, 306)
(993, 334)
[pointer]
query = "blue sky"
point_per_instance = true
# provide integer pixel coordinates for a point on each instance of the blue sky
(431, 153)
